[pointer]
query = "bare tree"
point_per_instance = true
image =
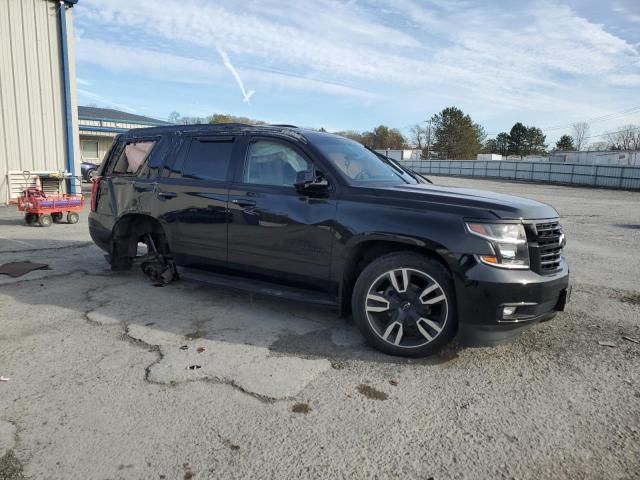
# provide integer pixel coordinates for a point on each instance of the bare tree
(174, 117)
(599, 146)
(580, 135)
(418, 136)
(625, 138)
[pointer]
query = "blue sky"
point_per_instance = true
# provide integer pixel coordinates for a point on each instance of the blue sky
(355, 64)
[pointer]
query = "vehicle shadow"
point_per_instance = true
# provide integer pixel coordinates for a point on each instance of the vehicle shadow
(185, 311)
(13, 221)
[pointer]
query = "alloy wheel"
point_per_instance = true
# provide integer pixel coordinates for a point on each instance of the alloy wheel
(406, 307)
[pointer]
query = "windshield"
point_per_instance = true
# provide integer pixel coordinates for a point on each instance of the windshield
(358, 164)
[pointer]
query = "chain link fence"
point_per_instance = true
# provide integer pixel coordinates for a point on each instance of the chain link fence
(540, 172)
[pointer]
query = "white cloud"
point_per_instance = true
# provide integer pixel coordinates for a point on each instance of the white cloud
(176, 68)
(535, 56)
(165, 66)
(102, 100)
(627, 13)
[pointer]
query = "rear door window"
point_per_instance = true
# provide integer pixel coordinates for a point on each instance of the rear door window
(132, 157)
(208, 158)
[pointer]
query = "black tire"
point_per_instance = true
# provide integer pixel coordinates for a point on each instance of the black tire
(418, 308)
(57, 217)
(30, 218)
(45, 220)
(90, 174)
(72, 217)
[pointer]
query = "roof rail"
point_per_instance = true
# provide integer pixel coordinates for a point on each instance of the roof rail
(282, 125)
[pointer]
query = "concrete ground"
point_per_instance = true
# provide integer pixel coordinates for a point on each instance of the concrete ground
(111, 378)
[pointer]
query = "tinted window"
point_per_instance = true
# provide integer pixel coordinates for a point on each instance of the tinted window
(132, 157)
(272, 163)
(208, 159)
(358, 164)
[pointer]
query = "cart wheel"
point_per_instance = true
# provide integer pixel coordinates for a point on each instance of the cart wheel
(57, 217)
(44, 219)
(30, 218)
(73, 217)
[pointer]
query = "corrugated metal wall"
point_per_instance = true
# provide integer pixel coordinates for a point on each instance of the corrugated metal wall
(32, 121)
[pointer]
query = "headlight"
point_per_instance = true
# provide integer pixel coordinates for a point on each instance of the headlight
(509, 243)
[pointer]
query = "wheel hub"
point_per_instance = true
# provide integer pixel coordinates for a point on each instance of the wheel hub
(406, 307)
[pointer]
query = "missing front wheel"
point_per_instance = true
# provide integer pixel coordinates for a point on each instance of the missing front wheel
(160, 269)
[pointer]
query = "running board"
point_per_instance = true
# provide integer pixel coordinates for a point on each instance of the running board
(256, 286)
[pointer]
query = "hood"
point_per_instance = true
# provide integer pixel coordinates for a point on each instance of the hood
(507, 207)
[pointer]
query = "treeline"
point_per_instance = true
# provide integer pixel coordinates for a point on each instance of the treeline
(452, 134)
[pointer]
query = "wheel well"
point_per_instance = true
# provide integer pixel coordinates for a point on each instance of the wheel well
(365, 253)
(131, 229)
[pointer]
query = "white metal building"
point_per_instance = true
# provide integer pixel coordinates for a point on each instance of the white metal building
(38, 121)
(98, 127)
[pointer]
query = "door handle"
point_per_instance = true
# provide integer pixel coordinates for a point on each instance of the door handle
(167, 194)
(243, 203)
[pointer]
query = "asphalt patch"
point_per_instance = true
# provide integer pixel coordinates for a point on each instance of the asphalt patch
(10, 467)
(301, 408)
(17, 269)
(629, 226)
(370, 392)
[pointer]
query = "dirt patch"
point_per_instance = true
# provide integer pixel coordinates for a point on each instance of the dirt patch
(370, 392)
(633, 298)
(301, 408)
(337, 364)
(10, 467)
(230, 445)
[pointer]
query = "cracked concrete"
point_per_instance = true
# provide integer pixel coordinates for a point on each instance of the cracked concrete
(99, 371)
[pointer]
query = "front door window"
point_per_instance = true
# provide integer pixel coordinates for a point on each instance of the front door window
(272, 163)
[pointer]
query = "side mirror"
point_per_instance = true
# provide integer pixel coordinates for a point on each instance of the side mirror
(309, 182)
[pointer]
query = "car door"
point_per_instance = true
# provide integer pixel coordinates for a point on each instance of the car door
(127, 178)
(274, 230)
(192, 199)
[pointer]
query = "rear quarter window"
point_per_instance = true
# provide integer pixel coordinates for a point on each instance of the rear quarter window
(132, 157)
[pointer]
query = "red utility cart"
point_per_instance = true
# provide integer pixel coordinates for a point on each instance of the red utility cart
(46, 209)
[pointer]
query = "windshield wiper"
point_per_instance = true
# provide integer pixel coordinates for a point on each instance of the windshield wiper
(396, 166)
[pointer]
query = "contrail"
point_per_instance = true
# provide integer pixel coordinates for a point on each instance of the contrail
(227, 63)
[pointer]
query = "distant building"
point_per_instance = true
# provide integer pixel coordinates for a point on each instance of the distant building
(401, 155)
(99, 126)
(489, 156)
(38, 122)
(611, 157)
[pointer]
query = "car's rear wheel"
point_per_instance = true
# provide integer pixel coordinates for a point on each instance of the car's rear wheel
(404, 304)
(72, 217)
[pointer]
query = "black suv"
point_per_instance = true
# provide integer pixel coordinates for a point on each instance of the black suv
(317, 217)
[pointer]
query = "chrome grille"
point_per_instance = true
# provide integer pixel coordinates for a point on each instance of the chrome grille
(549, 239)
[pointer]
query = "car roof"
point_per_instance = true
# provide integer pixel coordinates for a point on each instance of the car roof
(292, 132)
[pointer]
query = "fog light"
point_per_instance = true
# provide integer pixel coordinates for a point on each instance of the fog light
(508, 311)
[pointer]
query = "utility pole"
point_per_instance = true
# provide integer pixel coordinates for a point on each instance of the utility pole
(428, 139)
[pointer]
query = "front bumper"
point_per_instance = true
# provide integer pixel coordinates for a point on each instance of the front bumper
(483, 291)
